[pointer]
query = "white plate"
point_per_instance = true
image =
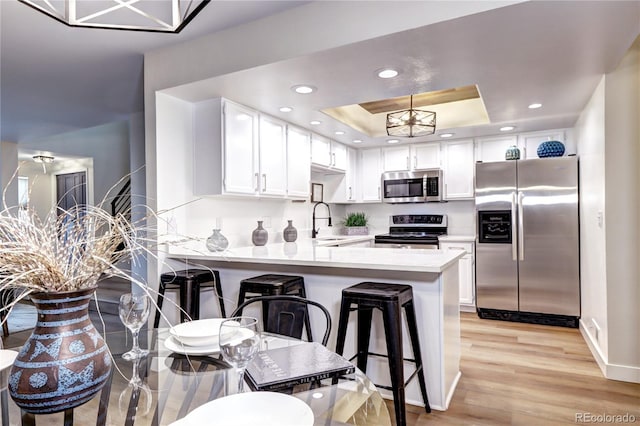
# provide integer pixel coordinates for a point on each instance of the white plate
(197, 333)
(175, 346)
(251, 409)
(6, 358)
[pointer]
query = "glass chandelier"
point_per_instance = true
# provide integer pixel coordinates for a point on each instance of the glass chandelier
(168, 16)
(411, 122)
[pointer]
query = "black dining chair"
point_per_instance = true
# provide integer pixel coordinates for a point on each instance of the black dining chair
(286, 315)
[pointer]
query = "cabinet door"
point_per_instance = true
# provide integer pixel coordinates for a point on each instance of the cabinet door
(298, 162)
(531, 141)
(425, 156)
(273, 155)
(370, 175)
(466, 270)
(338, 156)
(494, 148)
(396, 158)
(459, 167)
(321, 151)
(351, 176)
(466, 280)
(240, 149)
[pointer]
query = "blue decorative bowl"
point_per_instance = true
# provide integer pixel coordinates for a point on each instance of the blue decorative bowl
(551, 149)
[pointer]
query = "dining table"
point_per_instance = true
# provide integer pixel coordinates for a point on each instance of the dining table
(173, 382)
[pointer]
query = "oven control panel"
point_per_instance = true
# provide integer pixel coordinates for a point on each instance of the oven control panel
(418, 220)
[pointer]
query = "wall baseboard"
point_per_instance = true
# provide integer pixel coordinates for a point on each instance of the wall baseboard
(624, 373)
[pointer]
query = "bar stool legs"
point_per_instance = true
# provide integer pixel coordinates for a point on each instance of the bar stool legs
(390, 299)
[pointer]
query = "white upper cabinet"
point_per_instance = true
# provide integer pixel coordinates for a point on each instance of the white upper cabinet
(339, 156)
(411, 157)
(458, 170)
(370, 175)
(239, 151)
(298, 162)
(240, 136)
(494, 148)
(425, 156)
(529, 142)
(273, 155)
(328, 154)
(396, 158)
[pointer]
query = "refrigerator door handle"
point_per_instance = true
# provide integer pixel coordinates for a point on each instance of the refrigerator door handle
(514, 250)
(520, 225)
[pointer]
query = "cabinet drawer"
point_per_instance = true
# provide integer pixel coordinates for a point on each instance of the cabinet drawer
(468, 247)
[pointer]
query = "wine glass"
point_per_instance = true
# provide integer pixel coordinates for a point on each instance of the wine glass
(239, 343)
(136, 396)
(134, 311)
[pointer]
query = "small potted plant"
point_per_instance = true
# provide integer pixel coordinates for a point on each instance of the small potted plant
(356, 224)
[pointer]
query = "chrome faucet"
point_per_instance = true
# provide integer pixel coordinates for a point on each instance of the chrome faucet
(315, 231)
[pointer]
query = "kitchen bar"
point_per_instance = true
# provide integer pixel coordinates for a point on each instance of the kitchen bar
(327, 270)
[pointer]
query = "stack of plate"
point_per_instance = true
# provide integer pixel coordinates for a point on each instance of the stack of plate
(198, 337)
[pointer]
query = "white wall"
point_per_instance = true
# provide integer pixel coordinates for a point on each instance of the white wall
(8, 177)
(108, 145)
(622, 149)
(590, 136)
(608, 135)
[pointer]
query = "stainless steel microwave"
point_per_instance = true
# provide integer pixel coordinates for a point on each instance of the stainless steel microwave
(412, 187)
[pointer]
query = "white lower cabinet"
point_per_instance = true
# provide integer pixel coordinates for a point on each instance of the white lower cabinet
(466, 271)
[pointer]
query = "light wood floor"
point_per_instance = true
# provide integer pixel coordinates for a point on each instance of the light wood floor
(524, 374)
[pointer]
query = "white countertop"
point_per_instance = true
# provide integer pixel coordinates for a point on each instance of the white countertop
(314, 253)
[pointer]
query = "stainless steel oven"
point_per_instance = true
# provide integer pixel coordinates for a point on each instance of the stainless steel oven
(413, 231)
(412, 187)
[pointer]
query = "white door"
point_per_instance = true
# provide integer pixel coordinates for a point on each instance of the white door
(298, 162)
(273, 155)
(396, 158)
(425, 156)
(240, 149)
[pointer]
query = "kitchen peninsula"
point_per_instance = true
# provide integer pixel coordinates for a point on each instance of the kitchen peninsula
(433, 274)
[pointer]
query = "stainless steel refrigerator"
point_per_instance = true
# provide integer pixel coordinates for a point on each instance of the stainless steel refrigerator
(527, 249)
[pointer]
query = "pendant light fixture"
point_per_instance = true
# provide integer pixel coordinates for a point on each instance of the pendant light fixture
(168, 16)
(411, 122)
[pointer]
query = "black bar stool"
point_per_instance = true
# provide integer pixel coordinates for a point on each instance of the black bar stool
(274, 285)
(189, 282)
(390, 299)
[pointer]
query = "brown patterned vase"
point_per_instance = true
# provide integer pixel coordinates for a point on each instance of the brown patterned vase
(65, 362)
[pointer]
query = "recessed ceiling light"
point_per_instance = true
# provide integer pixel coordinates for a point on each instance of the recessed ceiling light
(534, 106)
(286, 109)
(339, 132)
(446, 135)
(393, 140)
(357, 141)
(387, 73)
(315, 122)
(507, 128)
(303, 89)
